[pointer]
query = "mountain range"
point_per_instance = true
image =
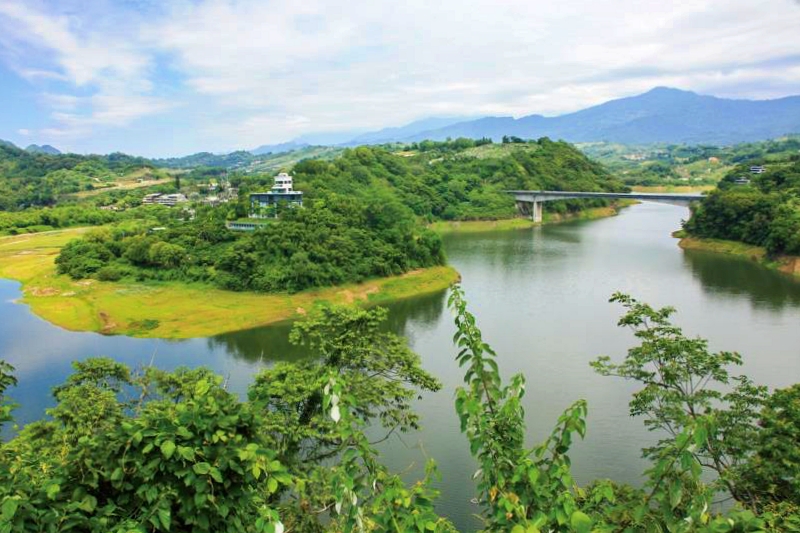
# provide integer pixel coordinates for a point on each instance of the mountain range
(34, 148)
(661, 115)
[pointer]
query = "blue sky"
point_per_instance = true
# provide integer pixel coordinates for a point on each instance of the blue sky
(159, 78)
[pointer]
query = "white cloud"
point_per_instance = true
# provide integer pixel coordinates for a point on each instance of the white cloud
(106, 74)
(251, 72)
(368, 64)
(24, 132)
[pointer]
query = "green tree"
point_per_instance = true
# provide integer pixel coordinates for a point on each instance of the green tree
(686, 387)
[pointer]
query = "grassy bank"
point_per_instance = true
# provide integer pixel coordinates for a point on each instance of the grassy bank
(786, 264)
(479, 226)
(676, 189)
(173, 309)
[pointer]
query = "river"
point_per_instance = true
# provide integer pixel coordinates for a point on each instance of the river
(541, 299)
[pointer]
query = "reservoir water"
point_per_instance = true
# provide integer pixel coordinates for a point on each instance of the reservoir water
(541, 299)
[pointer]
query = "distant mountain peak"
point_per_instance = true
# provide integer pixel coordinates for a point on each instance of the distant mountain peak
(43, 149)
(663, 89)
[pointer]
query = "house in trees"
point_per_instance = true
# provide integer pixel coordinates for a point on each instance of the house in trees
(267, 204)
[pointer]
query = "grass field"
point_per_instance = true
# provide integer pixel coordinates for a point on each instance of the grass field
(173, 309)
(148, 177)
(496, 150)
(479, 226)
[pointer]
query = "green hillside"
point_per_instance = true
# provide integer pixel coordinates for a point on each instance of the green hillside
(31, 179)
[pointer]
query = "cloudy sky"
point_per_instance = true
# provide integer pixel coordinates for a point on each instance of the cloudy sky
(162, 77)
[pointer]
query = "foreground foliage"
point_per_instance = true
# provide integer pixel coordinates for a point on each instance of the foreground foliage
(149, 450)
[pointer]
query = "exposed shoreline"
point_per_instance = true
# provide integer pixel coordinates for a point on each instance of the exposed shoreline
(175, 310)
(788, 264)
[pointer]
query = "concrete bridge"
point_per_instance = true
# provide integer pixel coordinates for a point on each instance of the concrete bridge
(530, 203)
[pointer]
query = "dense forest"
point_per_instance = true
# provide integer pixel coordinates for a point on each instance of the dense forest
(146, 450)
(765, 212)
(336, 239)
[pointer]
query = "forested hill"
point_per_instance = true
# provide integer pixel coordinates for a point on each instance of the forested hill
(461, 179)
(31, 178)
(765, 212)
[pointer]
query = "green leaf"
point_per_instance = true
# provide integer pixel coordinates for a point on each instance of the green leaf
(581, 522)
(164, 516)
(186, 452)
(675, 493)
(168, 448)
(201, 388)
(9, 508)
(201, 468)
(700, 436)
(88, 504)
(53, 490)
(117, 474)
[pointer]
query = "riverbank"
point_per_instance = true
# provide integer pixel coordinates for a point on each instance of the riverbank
(479, 226)
(175, 310)
(786, 263)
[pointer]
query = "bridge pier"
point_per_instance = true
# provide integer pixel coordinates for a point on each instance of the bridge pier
(533, 209)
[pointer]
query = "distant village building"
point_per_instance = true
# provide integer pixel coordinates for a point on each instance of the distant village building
(635, 157)
(265, 204)
(169, 200)
(713, 160)
(741, 180)
(757, 169)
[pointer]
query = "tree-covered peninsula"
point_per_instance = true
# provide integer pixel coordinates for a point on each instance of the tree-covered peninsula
(364, 216)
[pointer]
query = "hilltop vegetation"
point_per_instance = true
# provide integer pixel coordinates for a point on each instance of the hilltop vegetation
(249, 162)
(462, 179)
(31, 179)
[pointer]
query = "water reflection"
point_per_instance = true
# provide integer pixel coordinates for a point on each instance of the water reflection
(259, 344)
(732, 277)
(271, 343)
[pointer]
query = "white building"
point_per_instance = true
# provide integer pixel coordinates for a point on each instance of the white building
(165, 199)
(263, 204)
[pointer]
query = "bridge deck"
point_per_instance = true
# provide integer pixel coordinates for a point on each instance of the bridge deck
(633, 195)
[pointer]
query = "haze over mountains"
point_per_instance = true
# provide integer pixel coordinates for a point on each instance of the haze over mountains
(662, 115)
